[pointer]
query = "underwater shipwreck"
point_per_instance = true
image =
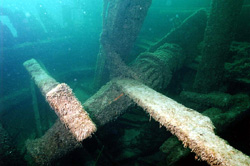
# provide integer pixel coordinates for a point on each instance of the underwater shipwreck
(181, 100)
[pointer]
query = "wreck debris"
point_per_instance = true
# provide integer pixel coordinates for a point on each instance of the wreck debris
(118, 97)
(44, 82)
(122, 21)
(63, 101)
(192, 128)
(102, 106)
(192, 29)
(36, 109)
(70, 111)
(221, 120)
(106, 105)
(238, 69)
(219, 100)
(149, 65)
(55, 143)
(217, 39)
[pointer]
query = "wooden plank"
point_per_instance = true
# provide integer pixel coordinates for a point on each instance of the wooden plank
(62, 100)
(192, 128)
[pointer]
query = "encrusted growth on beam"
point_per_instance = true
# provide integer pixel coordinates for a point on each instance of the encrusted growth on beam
(70, 111)
(54, 144)
(62, 100)
(191, 127)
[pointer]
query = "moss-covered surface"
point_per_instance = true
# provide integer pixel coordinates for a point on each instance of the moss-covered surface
(217, 39)
(238, 68)
(133, 138)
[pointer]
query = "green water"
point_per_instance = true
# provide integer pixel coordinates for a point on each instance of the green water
(64, 37)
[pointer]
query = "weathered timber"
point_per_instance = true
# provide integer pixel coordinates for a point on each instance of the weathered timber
(122, 21)
(219, 100)
(217, 39)
(155, 69)
(106, 105)
(55, 143)
(170, 114)
(173, 148)
(192, 128)
(44, 82)
(36, 109)
(109, 102)
(61, 98)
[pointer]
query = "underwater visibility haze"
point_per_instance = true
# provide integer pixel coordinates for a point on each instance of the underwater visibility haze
(124, 82)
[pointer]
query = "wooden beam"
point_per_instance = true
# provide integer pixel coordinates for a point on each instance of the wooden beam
(62, 100)
(192, 128)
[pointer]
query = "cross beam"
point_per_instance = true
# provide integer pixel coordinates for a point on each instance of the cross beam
(191, 127)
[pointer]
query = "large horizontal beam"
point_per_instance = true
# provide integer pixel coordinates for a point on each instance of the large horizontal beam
(192, 128)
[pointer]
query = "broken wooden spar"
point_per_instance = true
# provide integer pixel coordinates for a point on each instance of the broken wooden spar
(122, 21)
(104, 106)
(191, 127)
(61, 98)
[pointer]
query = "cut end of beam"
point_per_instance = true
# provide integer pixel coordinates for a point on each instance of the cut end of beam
(70, 111)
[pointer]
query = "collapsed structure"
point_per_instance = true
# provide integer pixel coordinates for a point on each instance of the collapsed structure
(193, 129)
(103, 109)
(113, 99)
